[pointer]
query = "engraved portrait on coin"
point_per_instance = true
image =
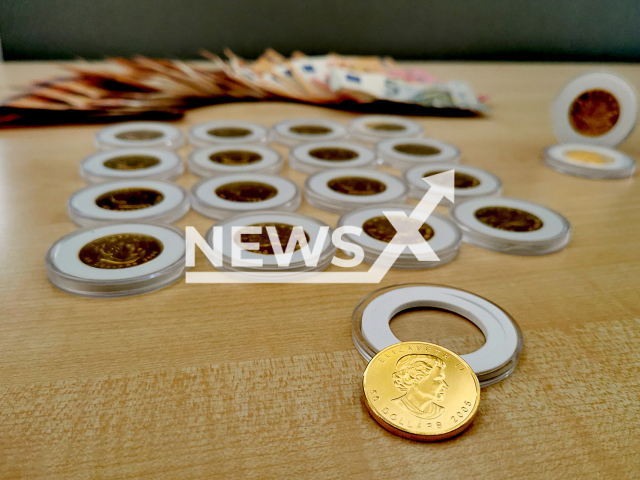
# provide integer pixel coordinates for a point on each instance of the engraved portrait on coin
(422, 379)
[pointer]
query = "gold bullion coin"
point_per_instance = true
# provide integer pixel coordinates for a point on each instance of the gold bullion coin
(284, 232)
(246, 191)
(594, 113)
(229, 132)
(511, 219)
(381, 229)
(389, 127)
(131, 162)
(461, 180)
(122, 250)
(356, 186)
(416, 149)
(139, 135)
(235, 157)
(310, 129)
(421, 391)
(333, 154)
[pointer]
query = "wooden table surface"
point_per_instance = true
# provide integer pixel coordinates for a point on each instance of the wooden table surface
(263, 381)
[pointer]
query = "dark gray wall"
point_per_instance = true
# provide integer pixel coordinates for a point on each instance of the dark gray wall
(428, 29)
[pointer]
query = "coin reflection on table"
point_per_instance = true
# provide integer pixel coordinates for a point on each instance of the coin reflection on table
(421, 391)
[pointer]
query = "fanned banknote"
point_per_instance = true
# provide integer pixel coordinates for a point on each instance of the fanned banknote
(144, 88)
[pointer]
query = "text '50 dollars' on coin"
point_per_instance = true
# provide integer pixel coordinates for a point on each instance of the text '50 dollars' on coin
(421, 391)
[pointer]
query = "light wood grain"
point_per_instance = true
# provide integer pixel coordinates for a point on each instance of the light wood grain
(262, 381)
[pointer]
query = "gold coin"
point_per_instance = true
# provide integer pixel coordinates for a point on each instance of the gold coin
(139, 135)
(128, 199)
(235, 157)
(229, 132)
(311, 129)
(284, 232)
(388, 127)
(416, 149)
(461, 180)
(131, 162)
(333, 154)
(356, 186)
(594, 113)
(246, 191)
(510, 219)
(381, 229)
(586, 156)
(421, 391)
(122, 250)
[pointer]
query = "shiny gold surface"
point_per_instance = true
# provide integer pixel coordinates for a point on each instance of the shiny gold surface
(388, 127)
(594, 113)
(129, 199)
(311, 129)
(586, 156)
(421, 391)
(284, 234)
(460, 180)
(131, 162)
(381, 229)
(416, 149)
(511, 219)
(139, 135)
(235, 157)
(246, 191)
(356, 186)
(333, 154)
(229, 132)
(122, 250)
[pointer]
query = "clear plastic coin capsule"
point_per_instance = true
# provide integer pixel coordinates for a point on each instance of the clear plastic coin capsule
(402, 153)
(260, 248)
(597, 108)
(238, 158)
(342, 190)
(131, 163)
(303, 130)
(589, 161)
(493, 362)
(140, 135)
(117, 260)
(442, 235)
(511, 226)
(228, 195)
(316, 157)
(227, 132)
(128, 200)
(374, 128)
(469, 182)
